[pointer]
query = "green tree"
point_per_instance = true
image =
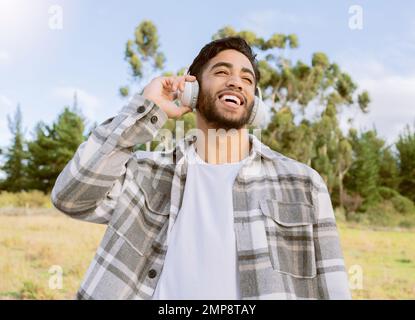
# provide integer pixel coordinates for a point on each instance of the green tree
(284, 82)
(389, 169)
(406, 151)
(363, 176)
(143, 54)
(14, 166)
(284, 136)
(53, 147)
(287, 85)
(332, 152)
(41, 167)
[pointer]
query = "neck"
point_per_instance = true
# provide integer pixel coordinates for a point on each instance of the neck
(219, 146)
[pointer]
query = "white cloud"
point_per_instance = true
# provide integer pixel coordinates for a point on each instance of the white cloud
(392, 98)
(87, 102)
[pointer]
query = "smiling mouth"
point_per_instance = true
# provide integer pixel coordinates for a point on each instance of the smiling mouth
(230, 100)
(230, 104)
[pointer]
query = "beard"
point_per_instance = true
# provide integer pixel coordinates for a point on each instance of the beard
(218, 118)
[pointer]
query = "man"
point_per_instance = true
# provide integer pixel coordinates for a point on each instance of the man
(228, 218)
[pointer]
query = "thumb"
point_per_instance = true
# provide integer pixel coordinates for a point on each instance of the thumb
(185, 110)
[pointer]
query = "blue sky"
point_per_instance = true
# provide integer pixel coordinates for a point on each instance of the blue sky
(40, 68)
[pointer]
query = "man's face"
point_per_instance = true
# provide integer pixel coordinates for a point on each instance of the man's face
(227, 91)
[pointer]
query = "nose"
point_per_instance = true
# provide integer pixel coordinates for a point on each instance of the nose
(234, 82)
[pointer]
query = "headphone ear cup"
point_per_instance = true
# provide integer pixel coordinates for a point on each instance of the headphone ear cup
(190, 94)
(258, 113)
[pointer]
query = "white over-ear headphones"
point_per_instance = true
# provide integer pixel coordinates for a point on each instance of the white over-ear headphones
(191, 92)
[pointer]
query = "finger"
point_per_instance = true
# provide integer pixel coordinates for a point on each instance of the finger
(190, 78)
(184, 80)
(175, 84)
(181, 84)
(177, 112)
(184, 110)
(167, 83)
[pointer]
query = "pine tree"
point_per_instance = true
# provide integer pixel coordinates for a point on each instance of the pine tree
(52, 148)
(389, 170)
(363, 176)
(14, 166)
(41, 166)
(406, 150)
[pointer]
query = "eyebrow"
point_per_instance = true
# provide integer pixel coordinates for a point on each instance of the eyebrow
(230, 66)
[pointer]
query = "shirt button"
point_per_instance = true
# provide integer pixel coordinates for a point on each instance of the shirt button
(141, 109)
(154, 119)
(152, 273)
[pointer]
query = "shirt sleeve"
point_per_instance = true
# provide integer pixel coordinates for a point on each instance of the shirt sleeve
(331, 272)
(89, 185)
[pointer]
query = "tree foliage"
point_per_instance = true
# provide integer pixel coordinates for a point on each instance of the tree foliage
(406, 150)
(143, 54)
(14, 166)
(360, 169)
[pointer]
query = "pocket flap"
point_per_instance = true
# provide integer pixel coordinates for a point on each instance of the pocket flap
(288, 214)
(157, 202)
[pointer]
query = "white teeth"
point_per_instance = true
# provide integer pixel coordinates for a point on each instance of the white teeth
(230, 97)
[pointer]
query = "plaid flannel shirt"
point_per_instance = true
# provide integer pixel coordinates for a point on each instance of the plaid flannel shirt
(287, 241)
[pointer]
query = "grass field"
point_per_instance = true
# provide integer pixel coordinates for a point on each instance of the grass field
(30, 244)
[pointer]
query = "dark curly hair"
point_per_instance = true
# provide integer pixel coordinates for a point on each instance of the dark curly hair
(211, 49)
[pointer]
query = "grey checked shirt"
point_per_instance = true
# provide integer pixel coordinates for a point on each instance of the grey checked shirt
(286, 236)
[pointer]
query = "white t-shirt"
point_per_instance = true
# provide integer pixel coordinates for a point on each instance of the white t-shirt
(201, 260)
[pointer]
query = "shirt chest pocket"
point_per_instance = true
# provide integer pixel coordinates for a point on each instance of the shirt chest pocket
(143, 217)
(289, 232)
